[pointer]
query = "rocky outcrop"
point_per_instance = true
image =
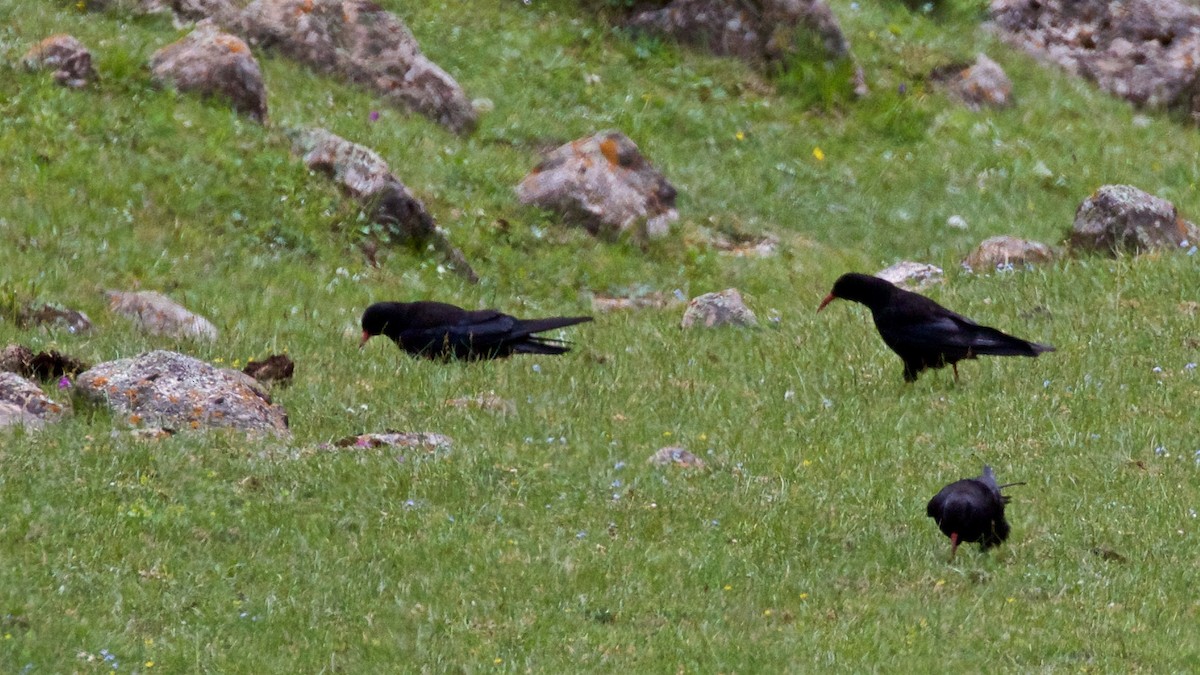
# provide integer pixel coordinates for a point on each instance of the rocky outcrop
(365, 176)
(66, 56)
(1005, 252)
(174, 391)
(603, 183)
(1144, 51)
(763, 32)
(1124, 219)
(361, 41)
(913, 276)
(212, 63)
(725, 308)
(156, 314)
(23, 403)
(982, 84)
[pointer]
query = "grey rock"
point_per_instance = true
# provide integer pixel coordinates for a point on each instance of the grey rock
(1005, 251)
(603, 183)
(210, 62)
(44, 314)
(360, 40)
(676, 456)
(913, 276)
(23, 403)
(171, 390)
(725, 308)
(761, 32)
(423, 440)
(1124, 219)
(982, 84)
(365, 176)
(67, 57)
(157, 314)
(1144, 51)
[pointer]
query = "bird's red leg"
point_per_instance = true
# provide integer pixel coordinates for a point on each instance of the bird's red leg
(953, 545)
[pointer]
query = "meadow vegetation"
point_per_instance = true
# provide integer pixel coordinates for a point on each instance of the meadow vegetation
(543, 541)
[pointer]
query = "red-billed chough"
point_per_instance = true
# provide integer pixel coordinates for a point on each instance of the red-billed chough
(437, 330)
(971, 509)
(923, 333)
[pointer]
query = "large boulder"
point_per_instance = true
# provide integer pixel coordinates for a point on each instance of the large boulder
(1005, 252)
(603, 183)
(174, 391)
(365, 176)
(1124, 219)
(725, 308)
(363, 42)
(1145, 51)
(210, 62)
(66, 56)
(23, 403)
(765, 31)
(157, 314)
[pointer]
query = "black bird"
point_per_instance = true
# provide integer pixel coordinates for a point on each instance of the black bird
(923, 333)
(437, 330)
(971, 509)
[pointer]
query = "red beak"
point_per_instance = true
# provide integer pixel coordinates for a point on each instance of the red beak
(953, 545)
(363, 343)
(828, 299)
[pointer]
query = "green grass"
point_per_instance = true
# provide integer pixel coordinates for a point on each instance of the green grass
(543, 541)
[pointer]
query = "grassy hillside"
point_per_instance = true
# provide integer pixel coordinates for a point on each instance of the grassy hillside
(543, 541)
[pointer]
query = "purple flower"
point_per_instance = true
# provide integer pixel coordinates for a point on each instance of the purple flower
(902, 89)
(64, 382)
(374, 116)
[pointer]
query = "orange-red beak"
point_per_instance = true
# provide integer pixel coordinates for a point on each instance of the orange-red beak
(363, 343)
(828, 299)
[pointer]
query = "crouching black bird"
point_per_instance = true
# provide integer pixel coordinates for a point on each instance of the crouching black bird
(922, 332)
(971, 509)
(437, 330)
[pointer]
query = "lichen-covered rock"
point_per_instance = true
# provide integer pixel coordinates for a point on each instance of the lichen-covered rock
(725, 308)
(23, 403)
(982, 84)
(66, 56)
(1145, 51)
(210, 62)
(1007, 252)
(676, 456)
(605, 184)
(157, 314)
(174, 391)
(43, 314)
(365, 43)
(913, 276)
(1122, 218)
(765, 31)
(365, 176)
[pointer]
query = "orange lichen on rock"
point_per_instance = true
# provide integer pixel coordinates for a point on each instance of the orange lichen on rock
(608, 148)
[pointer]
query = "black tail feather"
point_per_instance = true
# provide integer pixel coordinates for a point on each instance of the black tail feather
(531, 326)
